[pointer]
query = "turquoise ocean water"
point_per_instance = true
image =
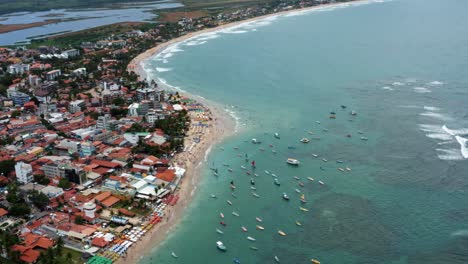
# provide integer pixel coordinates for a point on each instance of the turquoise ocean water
(402, 66)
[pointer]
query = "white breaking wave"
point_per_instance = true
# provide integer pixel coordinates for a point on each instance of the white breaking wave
(436, 83)
(398, 84)
(440, 136)
(449, 154)
(387, 88)
(421, 90)
(234, 31)
(431, 108)
(463, 146)
(195, 43)
(235, 117)
(436, 115)
(160, 69)
(461, 232)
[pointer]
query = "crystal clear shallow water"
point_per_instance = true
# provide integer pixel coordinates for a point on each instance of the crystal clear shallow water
(402, 66)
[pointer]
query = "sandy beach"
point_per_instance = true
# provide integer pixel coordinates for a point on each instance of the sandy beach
(221, 126)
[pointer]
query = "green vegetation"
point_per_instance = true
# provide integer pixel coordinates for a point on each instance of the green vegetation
(39, 199)
(59, 254)
(7, 166)
(18, 206)
(79, 220)
(41, 179)
(64, 183)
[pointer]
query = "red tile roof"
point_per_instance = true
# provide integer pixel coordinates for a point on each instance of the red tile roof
(167, 175)
(99, 242)
(3, 212)
(110, 201)
(107, 164)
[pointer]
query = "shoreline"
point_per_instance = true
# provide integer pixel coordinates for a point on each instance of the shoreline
(221, 126)
(136, 66)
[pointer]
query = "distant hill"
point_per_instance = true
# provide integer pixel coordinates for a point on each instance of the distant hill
(10, 6)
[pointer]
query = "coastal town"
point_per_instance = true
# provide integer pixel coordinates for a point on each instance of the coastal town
(93, 156)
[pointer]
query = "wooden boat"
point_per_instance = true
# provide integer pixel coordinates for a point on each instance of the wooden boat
(303, 199)
(282, 233)
(259, 227)
(315, 261)
(303, 209)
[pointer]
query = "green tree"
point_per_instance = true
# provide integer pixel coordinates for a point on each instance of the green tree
(39, 199)
(79, 220)
(64, 183)
(119, 101)
(41, 179)
(7, 166)
(59, 246)
(15, 114)
(19, 210)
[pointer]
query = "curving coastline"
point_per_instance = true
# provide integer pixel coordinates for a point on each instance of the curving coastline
(221, 127)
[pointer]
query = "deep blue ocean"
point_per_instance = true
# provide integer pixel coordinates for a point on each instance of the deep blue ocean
(402, 66)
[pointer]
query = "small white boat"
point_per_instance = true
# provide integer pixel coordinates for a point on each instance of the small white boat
(243, 167)
(244, 228)
(318, 122)
(230, 170)
(267, 172)
(310, 178)
(274, 175)
(219, 231)
(277, 259)
(255, 141)
(234, 195)
(221, 246)
(305, 140)
(321, 182)
(292, 161)
(255, 194)
(353, 113)
(310, 132)
(277, 135)
(341, 169)
(303, 209)
(348, 169)
(213, 196)
(251, 238)
(324, 160)
(314, 155)
(298, 191)
(255, 174)
(253, 188)
(215, 173)
(235, 214)
(259, 219)
(364, 138)
(297, 178)
(221, 215)
(229, 202)
(174, 255)
(274, 151)
(259, 227)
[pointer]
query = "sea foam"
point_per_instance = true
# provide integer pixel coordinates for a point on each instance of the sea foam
(421, 90)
